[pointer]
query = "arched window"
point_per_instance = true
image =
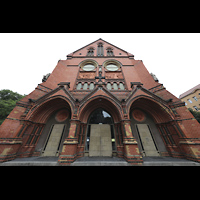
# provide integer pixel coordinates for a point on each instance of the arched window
(109, 87)
(85, 86)
(79, 86)
(109, 52)
(115, 87)
(100, 49)
(90, 52)
(121, 86)
(91, 86)
(100, 116)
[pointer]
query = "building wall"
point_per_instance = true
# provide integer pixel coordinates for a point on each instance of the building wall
(193, 100)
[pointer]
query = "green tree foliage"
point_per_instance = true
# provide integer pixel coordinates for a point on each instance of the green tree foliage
(8, 99)
(195, 114)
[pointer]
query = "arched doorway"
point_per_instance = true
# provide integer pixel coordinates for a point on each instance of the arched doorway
(100, 138)
(145, 116)
(54, 133)
(146, 133)
(54, 115)
(112, 109)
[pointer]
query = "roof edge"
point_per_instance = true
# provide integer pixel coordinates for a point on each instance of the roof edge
(71, 54)
(190, 91)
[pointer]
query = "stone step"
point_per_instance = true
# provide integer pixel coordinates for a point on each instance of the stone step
(99, 161)
(171, 164)
(33, 161)
(167, 161)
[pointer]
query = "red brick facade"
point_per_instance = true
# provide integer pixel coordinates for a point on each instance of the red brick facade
(128, 94)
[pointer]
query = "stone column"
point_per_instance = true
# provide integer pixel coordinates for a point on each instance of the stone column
(131, 150)
(81, 139)
(119, 140)
(69, 151)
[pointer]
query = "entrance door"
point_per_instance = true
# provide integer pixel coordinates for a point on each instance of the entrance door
(100, 140)
(53, 141)
(148, 143)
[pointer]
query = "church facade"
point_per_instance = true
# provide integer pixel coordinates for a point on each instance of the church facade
(99, 102)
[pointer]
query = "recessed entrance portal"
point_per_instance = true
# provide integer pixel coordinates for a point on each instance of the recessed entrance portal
(52, 145)
(145, 131)
(147, 140)
(100, 134)
(100, 140)
(55, 131)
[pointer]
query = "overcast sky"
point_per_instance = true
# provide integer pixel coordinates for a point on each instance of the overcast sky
(25, 57)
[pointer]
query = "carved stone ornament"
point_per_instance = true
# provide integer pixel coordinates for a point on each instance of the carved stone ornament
(138, 115)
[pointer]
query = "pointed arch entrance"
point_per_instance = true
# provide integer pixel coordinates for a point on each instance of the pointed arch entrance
(146, 116)
(146, 133)
(53, 119)
(54, 133)
(100, 139)
(101, 128)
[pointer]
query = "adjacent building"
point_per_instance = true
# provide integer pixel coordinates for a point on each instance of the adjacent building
(191, 98)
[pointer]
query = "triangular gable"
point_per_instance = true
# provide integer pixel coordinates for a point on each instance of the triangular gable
(59, 91)
(99, 91)
(141, 91)
(83, 50)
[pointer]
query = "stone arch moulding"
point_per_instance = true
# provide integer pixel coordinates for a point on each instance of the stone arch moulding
(91, 47)
(40, 113)
(100, 102)
(112, 61)
(161, 113)
(88, 61)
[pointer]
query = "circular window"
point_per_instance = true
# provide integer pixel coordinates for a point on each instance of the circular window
(112, 67)
(88, 67)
